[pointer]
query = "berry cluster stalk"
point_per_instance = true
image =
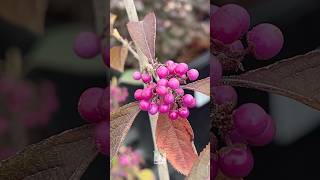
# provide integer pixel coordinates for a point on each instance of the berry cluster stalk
(133, 16)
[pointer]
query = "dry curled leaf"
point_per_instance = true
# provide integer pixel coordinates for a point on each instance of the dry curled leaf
(28, 14)
(118, 57)
(65, 156)
(143, 34)
(175, 140)
(202, 85)
(297, 78)
(120, 123)
(201, 167)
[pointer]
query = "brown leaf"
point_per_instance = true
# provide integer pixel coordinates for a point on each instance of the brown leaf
(202, 85)
(28, 14)
(175, 140)
(297, 78)
(143, 33)
(201, 167)
(120, 123)
(65, 156)
(118, 57)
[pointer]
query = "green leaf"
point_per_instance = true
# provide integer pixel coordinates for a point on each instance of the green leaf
(126, 78)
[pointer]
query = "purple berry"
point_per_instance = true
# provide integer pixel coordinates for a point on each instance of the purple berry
(144, 105)
(236, 161)
(225, 95)
(187, 100)
(213, 167)
(181, 69)
(173, 83)
(153, 109)
(213, 9)
(171, 67)
(163, 108)
(236, 47)
(88, 104)
(250, 119)
(183, 112)
(136, 75)
(173, 115)
(266, 136)
(161, 90)
(138, 94)
(168, 98)
(236, 137)
(146, 78)
(266, 41)
(169, 63)
(86, 45)
(215, 71)
(193, 74)
(146, 93)
(162, 72)
(102, 137)
(229, 23)
(104, 104)
(162, 82)
(180, 91)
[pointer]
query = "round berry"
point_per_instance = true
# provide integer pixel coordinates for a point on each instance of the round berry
(250, 119)
(144, 105)
(173, 115)
(86, 45)
(213, 9)
(265, 41)
(171, 67)
(162, 72)
(168, 98)
(146, 78)
(102, 137)
(225, 95)
(266, 136)
(146, 93)
(187, 100)
(153, 109)
(169, 63)
(229, 23)
(136, 75)
(161, 90)
(138, 94)
(162, 82)
(180, 91)
(181, 69)
(215, 71)
(173, 83)
(193, 74)
(163, 108)
(183, 112)
(235, 161)
(88, 104)
(104, 104)
(236, 47)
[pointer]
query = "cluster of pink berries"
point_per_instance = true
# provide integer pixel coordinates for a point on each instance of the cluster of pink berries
(93, 106)
(229, 24)
(118, 95)
(166, 95)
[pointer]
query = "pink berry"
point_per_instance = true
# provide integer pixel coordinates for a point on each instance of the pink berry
(250, 119)
(169, 63)
(102, 137)
(146, 78)
(181, 69)
(152, 85)
(168, 98)
(136, 75)
(164, 108)
(173, 83)
(193, 103)
(183, 112)
(229, 23)
(193, 74)
(236, 161)
(225, 95)
(266, 41)
(153, 109)
(162, 82)
(266, 136)
(173, 115)
(161, 90)
(187, 100)
(138, 94)
(144, 105)
(215, 71)
(180, 91)
(171, 68)
(86, 45)
(162, 72)
(146, 93)
(88, 104)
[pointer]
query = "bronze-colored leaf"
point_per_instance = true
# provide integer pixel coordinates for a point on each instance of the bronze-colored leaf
(65, 156)
(202, 85)
(118, 57)
(143, 33)
(297, 78)
(175, 140)
(201, 168)
(120, 123)
(28, 14)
